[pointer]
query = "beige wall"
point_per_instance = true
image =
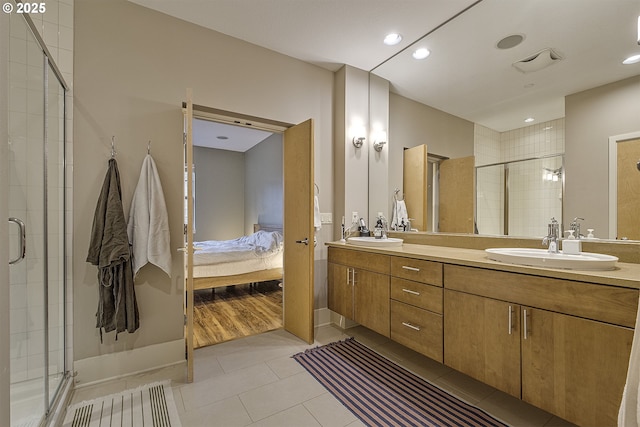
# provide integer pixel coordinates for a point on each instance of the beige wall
(412, 124)
(132, 68)
(263, 195)
(219, 197)
(591, 117)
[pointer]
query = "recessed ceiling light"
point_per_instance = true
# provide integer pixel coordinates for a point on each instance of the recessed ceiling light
(632, 60)
(529, 119)
(421, 53)
(510, 41)
(392, 39)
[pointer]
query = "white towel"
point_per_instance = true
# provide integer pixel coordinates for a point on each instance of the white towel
(148, 227)
(317, 222)
(629, 413)
(399, 213)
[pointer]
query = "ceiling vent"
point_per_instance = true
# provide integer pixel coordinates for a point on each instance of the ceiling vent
(538, 61)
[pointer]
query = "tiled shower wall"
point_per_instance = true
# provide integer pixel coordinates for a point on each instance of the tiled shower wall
(533, 200)
(55, 26)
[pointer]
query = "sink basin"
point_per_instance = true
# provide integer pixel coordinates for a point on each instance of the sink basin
(542, 258)
(372, 241)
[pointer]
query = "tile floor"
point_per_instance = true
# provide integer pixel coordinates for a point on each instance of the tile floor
(254, 382)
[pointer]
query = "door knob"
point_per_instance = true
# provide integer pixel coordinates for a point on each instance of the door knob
(305, 241)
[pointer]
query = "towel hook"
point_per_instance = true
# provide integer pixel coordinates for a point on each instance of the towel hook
(317, 189)
(113, 147)
(149, 147)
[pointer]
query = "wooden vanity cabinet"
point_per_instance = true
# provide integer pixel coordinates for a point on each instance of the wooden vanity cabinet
(574, 368)
(482, 339)
(358, 287)
(416, 305)
(562, 346)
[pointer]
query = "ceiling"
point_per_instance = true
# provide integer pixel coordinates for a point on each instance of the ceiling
(465, 75)
(210, 134)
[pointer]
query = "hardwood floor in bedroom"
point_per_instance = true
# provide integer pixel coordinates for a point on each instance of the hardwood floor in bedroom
(235, 312)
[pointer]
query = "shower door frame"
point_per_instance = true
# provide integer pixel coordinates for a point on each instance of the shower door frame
(506, 190)
(52, 398)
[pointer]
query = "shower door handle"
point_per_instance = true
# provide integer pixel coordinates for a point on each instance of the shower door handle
(23, 240)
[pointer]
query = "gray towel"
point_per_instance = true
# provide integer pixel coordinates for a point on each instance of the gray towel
(109, 250)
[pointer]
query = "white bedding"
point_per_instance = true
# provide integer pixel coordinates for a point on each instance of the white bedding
(261, 250)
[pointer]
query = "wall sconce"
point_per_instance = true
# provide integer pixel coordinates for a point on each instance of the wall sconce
(378, 145)
(379, 141)
(551, 174)
(358, 133)
(358, 141)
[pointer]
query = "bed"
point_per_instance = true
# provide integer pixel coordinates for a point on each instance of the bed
(247, 259)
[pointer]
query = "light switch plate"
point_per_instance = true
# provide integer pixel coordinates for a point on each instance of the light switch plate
(326, 218)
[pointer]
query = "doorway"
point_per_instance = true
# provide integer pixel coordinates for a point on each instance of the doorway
(238, 202)
(297, 222)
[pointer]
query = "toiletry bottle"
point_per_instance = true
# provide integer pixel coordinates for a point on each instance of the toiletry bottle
(377, 231)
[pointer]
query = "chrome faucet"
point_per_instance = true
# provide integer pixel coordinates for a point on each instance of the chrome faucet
(575, 226)
(553, 235)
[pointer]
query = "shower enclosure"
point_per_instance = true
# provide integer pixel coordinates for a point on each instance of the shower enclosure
(518, 198)
(36, 175)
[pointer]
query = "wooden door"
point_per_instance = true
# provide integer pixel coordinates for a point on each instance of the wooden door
(574, 368)
(371, 300)
(456, 194)
(339, 289)
(188, 231)
(298, 230)
(480, 342)
(414, 184)
(628, 182)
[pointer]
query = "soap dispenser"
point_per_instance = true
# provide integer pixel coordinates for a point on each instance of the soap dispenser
(377, 231)
(571, 245)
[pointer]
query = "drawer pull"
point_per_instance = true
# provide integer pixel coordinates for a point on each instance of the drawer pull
(409, 325)
(406, 267)
(510, 319)
(409, 291)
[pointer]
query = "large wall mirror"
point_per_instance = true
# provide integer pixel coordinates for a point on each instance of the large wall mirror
(497, 63)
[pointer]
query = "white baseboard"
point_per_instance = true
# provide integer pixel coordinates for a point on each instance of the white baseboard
(321, 316)
(111, 366)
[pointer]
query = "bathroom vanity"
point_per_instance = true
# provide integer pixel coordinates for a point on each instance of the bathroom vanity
(557, 339)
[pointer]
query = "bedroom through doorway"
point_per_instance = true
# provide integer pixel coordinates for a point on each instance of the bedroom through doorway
(238, 231)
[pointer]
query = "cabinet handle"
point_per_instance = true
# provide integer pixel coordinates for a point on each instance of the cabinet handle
(510, 319)
(409, 325)
(353, 279)
(525, 324)
(409, 291)
(348, 274)
(406, 267)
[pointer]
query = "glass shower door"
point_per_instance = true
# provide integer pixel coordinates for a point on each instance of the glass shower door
(36, 175)
(26, 206)
(55, 232)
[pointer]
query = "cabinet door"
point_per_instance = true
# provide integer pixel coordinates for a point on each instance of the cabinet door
(371, 301)
(573, 367)
(339, 290)
(482, 340)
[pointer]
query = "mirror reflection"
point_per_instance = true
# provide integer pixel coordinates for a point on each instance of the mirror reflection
(557, 64)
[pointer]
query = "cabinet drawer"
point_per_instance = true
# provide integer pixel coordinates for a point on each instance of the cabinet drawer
(418, 329)
(418, 270)
(608, 304)
(359, 259)
(418, 294)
